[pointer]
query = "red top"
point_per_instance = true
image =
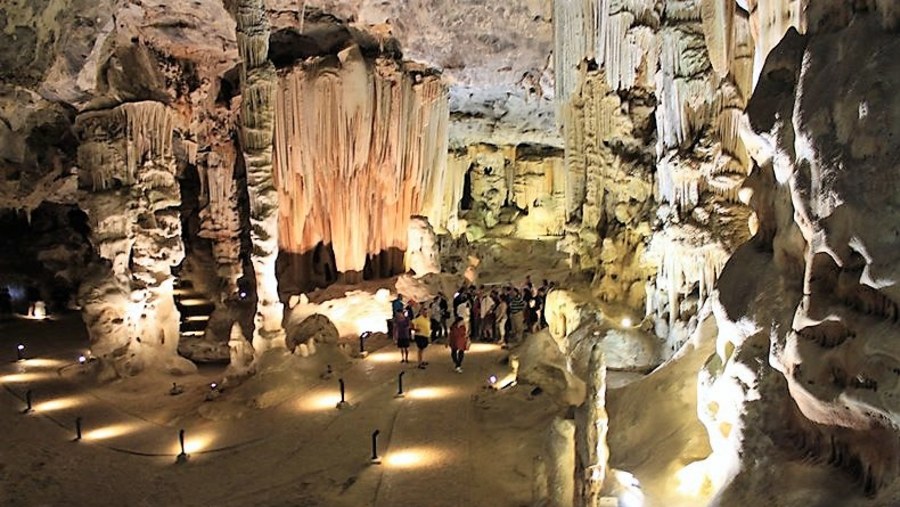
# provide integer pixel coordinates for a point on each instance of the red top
(458, 337)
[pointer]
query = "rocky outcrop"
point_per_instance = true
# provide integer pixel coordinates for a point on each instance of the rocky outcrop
(813, 294)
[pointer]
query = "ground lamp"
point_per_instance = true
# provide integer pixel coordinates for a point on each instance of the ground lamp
(362, 343)
(20, 352)
(375, 459)
(183, 457)
(28, 400)
(400, 385)
(343, 403)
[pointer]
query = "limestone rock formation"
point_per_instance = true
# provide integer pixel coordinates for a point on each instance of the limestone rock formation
(360, 148)
(813, 295)
(129, 167)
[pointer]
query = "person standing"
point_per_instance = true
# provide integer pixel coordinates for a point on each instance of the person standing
(502, 313)
(459, 343)
(422, 331)
(402, 334)
(516, 316)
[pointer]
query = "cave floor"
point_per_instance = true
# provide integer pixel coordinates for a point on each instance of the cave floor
(450, 441)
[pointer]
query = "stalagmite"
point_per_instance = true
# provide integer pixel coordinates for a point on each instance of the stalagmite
(219, 219)
(360, 148)
(560, 451)
(133, 203)
(258, 83)
(591, 426)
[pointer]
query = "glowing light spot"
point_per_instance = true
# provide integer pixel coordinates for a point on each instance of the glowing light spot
(431, 393)
(319, 402)
(107, 432)
(44, 363)
(58, 404)
(189, 302)
(385, 357)
(193, 443)
(16, 378)
(197, 318)
(492, 379)
(479, 348)
(418, 457)
(626, 322)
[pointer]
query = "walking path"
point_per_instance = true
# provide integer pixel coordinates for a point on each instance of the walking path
(424, 443)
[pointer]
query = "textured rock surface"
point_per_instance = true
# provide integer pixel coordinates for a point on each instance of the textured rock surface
(495, 55)
(818, 127)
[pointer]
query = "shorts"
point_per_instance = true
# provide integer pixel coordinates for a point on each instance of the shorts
(421, 341)
(403, 343)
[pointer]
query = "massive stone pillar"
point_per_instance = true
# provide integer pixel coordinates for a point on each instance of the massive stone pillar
(258, 81)
(133, 203)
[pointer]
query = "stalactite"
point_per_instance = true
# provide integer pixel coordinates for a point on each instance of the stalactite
(360, 148)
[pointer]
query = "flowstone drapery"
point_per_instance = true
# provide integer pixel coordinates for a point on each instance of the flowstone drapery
(360, 148)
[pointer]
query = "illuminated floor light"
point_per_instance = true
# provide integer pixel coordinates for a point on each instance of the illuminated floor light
(319, 402)
(20, 352)
(415, 458)
(626, 322)
(193, 302)
(78, 429)
(194, 443)
(478, 348)
(385, 357)
(44, 363)
(57, 404)
(430, 393)
(108, 432)
(18, 378)
(375, 459)
(197, 318)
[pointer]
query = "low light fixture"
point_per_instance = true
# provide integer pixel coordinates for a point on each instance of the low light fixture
(20, 352)
(375, 459)
(77, 429)
(213, 386)
(492, 379)
(28, 402)
(82, 359)
(626, 322)
(242, 294)
(362, 343)
(400, 393)
(343, 403)
(183, 456)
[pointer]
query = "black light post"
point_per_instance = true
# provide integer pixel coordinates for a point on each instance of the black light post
(78, 429)
(400, 393)
(343, 403)
(362, 344)
(375, 459)
(183, 457)
(28, 400)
